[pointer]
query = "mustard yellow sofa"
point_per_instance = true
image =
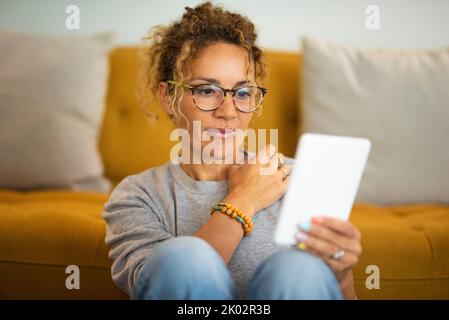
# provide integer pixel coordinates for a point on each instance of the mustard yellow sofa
(42, 232)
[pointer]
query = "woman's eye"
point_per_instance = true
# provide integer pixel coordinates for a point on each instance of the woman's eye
(243, 93)
(205, 91)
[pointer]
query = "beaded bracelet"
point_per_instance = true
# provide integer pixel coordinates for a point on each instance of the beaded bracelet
(236, 214)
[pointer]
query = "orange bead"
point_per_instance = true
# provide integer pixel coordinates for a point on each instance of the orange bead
(233, 215)
(228, 205)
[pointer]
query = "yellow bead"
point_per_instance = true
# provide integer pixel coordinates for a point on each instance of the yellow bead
(301, 246)
(223, 209)
(228, 205)
(228, 212)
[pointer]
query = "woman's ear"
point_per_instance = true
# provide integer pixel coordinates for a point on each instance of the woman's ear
(164, 97)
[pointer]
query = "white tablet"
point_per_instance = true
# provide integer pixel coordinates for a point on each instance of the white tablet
(323, 181)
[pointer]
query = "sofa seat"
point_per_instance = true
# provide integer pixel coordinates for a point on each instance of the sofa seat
(41, 233)
(410, 246)
(54, 229)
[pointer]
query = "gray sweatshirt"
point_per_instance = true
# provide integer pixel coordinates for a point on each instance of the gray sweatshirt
(140, 214)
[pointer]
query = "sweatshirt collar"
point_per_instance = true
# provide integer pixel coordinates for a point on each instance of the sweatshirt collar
(195, 186)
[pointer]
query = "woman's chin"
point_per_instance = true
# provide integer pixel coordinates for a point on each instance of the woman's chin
(222, 155)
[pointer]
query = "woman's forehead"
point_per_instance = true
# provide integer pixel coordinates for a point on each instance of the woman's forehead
(223, 62)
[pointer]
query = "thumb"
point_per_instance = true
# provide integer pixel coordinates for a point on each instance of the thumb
(266, 153)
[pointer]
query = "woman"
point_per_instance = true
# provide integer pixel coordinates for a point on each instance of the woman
(204, 230)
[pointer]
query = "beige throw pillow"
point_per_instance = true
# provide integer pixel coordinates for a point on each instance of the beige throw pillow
(399, 99)
(52, 97)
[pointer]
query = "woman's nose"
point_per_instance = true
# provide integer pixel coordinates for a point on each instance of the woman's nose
(227, 109)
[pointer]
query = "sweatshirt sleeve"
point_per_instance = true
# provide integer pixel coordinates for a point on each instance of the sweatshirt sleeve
(133, 230)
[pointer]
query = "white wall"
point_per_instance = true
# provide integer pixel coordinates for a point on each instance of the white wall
(403, 23)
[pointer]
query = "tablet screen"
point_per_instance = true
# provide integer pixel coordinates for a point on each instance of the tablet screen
(323, 181)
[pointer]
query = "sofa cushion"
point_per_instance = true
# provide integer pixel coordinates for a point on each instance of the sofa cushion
(410, 246)
(396, 98)
(41, 233)
(52, 91)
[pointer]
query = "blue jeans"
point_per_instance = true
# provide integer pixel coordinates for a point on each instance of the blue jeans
(189, 268)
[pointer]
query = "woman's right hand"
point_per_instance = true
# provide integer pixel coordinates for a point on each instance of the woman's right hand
(258, 184)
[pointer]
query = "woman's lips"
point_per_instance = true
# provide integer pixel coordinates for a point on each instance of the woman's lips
(221, 132)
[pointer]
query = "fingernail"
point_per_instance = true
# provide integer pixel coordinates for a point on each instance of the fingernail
(305, 226)
(317, 219)
(301, 236)
(301, 246)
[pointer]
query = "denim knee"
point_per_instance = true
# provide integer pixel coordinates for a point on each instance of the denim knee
(185, 267)
(293, 274)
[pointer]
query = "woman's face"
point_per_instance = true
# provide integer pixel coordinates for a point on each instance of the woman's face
(225, 65)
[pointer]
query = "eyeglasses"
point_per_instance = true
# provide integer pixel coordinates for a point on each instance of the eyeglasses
(209, 97)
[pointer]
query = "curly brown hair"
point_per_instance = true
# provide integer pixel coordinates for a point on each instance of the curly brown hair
(173, 47)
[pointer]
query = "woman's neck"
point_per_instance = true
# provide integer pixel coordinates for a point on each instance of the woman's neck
(206, 172)
(210, 172)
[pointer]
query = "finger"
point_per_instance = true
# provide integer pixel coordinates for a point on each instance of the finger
(324, 247)
(265, 155)
(284, 173)
(342, 265)
(335, 265)
(343, 227)
(325, 251)
(281, 160)
(343, 242)
(270, 168)
(274, 161)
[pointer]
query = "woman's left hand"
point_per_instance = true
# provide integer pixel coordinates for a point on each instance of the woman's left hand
(337, 242)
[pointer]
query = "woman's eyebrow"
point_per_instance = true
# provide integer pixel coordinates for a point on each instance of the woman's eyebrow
(215, 81)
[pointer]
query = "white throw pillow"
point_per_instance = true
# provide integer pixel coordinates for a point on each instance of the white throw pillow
(399, 99)
(52, 97)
